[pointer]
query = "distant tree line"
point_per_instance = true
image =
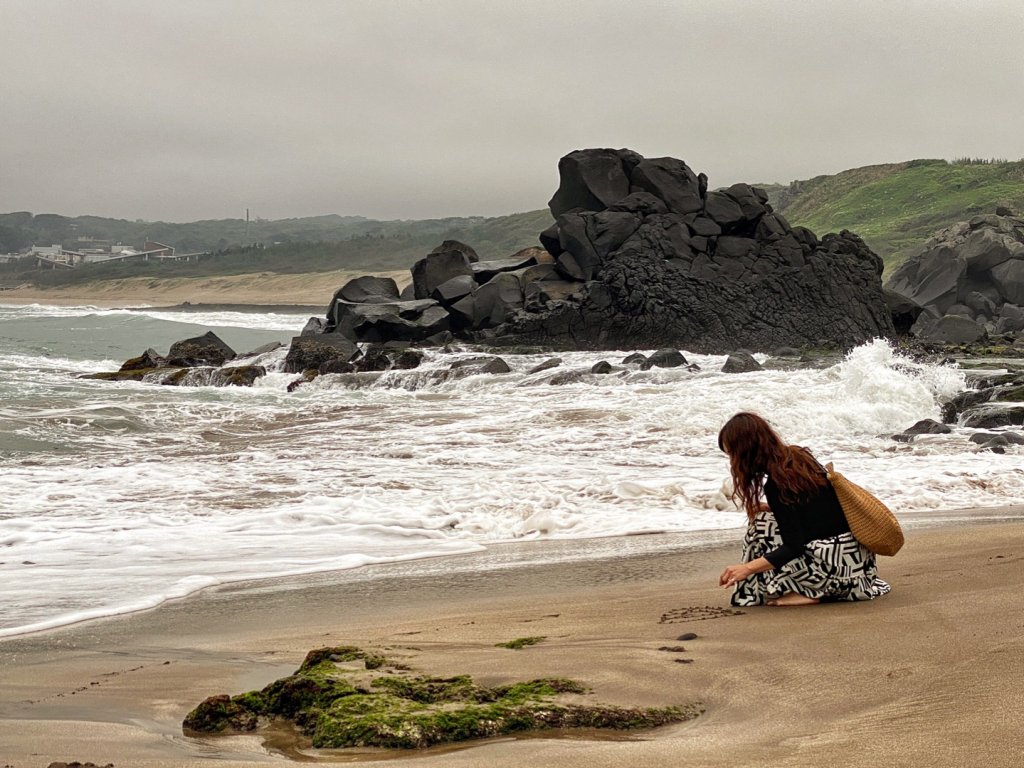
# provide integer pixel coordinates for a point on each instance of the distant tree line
(22, 229)
(980, 160)
(386, 246)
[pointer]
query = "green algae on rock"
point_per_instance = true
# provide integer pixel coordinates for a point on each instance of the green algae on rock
(522, 642)
(131, 374)
(346, 697)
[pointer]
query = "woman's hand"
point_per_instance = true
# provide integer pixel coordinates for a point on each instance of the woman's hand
(734, 574)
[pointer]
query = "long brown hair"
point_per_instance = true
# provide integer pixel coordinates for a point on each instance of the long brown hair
(756, 452)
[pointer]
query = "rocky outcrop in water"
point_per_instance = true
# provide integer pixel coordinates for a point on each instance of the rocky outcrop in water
(997, 400)
(968, 280)
(196, 362)
(665, 261)
(641, 254)
(309, 354)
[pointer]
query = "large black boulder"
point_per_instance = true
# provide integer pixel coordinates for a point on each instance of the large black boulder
(1011, 319)
(972, 272)
(311, 352)
(542, 294)
(490, 305)
(314, 326)
(740, 362)
(485, 270)
(398, 321)
(663, 358)
(669, 180)
(989, 416)
(742, 210)
(396, 326)
(592, 179)
(368, 289)
(452, 290)
(146, 361)
(455, 245)
(437, 268)
(207, 349)
(242, 375)
(955, 329)
(590, 237)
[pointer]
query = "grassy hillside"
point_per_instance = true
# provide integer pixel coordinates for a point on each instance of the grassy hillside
(896, 207)
(893, 207)
(19, 230)
(323, 244)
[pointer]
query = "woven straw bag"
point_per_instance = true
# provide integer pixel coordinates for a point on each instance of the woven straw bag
(871, 522)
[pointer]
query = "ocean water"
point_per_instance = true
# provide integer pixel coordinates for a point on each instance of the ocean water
(119, 496)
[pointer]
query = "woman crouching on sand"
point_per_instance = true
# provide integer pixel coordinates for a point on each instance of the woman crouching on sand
(798, 549)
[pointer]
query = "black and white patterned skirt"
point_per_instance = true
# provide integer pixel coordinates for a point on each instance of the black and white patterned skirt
(833, 569)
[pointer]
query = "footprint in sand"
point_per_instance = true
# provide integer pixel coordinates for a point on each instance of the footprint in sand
(697, 613)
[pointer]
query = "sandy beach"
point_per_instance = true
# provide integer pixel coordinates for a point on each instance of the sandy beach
(934, 669)
(262, 288)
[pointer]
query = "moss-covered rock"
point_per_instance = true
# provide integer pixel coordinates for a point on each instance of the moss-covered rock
(396, 723)
(220, 713)
(431, 690)
(339, 698)
(177, 378)
(147, 360)
(316, 687)
(134, 374)
(242, 375)
(235, 376)
(533, 689)
(1014, 395)
(521, 642)
(342, 653)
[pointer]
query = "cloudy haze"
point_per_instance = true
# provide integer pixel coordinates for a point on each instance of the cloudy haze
(183, 110)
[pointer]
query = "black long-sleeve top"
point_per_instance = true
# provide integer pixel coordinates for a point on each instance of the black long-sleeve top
(818, 516)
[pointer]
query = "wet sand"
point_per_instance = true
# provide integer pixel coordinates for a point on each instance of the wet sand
(261, 289)
(933, 670)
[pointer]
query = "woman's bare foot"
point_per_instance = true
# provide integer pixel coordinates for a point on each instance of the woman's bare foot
(792, 598)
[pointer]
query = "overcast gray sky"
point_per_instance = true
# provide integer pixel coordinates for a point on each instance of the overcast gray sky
(189, 109)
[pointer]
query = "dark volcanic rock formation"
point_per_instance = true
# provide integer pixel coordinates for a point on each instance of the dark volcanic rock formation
(641, 255)
(663, 261)
(191, 362)
(969, 280)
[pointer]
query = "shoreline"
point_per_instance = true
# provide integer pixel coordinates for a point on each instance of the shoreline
(505, 555)
(184, 307)
(115, 690)
(499, 556)
(258, 289)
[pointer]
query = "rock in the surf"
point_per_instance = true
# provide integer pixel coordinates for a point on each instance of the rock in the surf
(207, 349)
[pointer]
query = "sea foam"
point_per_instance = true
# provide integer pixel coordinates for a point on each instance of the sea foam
(119, 496)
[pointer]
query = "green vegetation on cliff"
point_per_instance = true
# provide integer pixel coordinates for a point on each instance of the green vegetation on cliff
(293, 246)
(896, 207)
(500, 234)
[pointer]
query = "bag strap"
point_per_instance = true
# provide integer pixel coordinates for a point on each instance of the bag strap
(825, 470)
